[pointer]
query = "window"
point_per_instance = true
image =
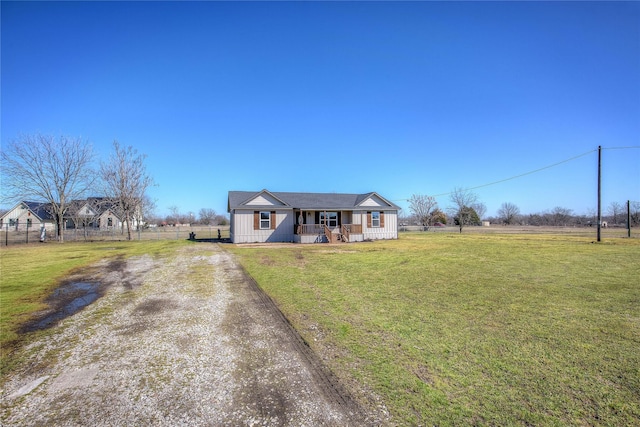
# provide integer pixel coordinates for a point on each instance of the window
(109, 222)
(375, 219)
(12, 222)
(331, 219)
(265, 220)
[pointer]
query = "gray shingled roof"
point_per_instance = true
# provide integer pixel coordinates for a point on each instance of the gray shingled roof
(305, 200)
(40, 209)
(43, 209)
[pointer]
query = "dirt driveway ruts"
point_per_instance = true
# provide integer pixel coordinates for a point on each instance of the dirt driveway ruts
(186, 341)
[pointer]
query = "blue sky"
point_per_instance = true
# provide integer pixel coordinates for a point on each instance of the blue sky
(400, 98)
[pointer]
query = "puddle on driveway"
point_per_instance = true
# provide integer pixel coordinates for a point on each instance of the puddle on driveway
(65, 301)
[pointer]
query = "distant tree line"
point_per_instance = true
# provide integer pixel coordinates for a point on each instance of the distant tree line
(465, 209)
(615, 215)
(206, 216)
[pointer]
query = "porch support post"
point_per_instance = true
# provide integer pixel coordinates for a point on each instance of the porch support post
(301, 221)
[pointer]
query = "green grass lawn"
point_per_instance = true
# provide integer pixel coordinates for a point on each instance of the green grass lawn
(472, 329)
(29, 273)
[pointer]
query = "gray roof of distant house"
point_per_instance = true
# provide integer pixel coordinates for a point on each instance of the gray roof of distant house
(40, 209)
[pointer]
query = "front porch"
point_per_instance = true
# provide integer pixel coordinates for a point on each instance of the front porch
(326, 226)
(321, 233)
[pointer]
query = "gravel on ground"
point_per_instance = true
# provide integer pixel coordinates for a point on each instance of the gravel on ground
(188, 340)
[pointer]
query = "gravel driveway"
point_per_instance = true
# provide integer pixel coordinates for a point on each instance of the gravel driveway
(190, 341)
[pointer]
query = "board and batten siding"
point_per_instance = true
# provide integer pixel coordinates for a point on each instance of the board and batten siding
(19, 217)
(388, 228)
(244, 227)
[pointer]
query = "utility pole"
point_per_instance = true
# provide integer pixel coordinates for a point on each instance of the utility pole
(599, 190)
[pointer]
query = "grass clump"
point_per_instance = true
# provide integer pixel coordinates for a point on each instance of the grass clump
(472, 329)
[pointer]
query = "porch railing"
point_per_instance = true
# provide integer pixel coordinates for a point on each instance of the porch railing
(346, 229)
(328, 235)
(309, 229)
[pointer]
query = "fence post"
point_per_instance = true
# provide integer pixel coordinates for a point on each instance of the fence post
(6, 235)
(27, 242)
(628, 218)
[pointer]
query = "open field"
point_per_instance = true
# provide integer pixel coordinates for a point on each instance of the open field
(478, 328)
(445, 329)
(606, 233)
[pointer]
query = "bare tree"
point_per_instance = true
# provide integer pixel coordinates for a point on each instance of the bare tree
(480, 209)
(560, 215)
(48, 169)
(462, 206)
(422, 207)
(147, 207)
(592, 215)
(126, 182)
(508, 212)
(207, 216)
(635, 212)
(615, 209)
(175, 216)
(84, 213)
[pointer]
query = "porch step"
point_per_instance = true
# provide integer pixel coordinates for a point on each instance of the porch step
(336, 236)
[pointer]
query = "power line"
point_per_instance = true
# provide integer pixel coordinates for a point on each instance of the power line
(535, 171)
(621, 148)
(524, 174)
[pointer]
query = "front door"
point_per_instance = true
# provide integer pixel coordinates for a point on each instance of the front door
(330, 219)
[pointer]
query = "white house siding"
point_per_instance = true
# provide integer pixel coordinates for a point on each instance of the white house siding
(242, 227)
(389, 231)
(357, 217)
(103, 220)
(18, 218)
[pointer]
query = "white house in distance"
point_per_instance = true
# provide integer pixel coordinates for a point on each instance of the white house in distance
(94, 212)
(28, 216)
(266, 216)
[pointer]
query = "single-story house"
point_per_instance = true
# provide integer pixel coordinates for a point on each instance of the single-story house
(31, 215)
(94, 212)
(266, 216)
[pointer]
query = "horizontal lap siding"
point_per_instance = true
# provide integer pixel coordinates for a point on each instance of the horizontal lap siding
(243, 227)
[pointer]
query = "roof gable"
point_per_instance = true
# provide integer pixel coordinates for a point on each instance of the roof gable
(264, 198)
(373, 200)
